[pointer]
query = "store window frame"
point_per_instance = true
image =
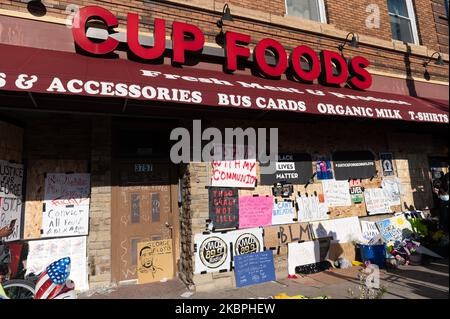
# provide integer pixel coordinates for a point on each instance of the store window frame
(322, 11)
(412, 19)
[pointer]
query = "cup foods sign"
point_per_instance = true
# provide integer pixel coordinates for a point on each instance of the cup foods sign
(189, 38)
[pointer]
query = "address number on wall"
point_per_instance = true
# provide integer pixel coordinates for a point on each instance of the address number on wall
(142, 168)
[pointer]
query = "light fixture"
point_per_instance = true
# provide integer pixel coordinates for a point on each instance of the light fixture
(226, 15)
(439, 60)
(354, 43)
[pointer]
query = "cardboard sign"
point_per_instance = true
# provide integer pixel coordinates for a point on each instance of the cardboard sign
(11, 178)
(43, 252)
(394, 228)
(67, 198)
(310, 209)
(369, 230)
(212, 253)
(155, 261)
(246, 241)
(10, 209)
(392, 189)
(255, 211)
(354, 165)
(387, 164)
(343, 230)
(256, 268)
(376, 202)
(336, 193)
(224, 207)
(240, 173)
(294, 233)
(323, 168)
(283, 213)
(290, 168)
(300, 254)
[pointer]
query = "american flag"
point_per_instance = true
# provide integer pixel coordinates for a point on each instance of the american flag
(52, 281)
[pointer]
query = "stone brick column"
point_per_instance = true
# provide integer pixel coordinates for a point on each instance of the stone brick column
(99, 239)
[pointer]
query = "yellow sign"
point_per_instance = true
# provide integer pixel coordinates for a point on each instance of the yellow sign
(155, 261)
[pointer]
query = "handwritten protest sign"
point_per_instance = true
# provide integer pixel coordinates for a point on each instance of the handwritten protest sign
(394, 228)
(336, 193)
(343, 230)
(310, 209)
(11, 179)
(283, 213)
(369, 230)
(300, 254)
(224, 207)
(376, 202)
(392, 190)
(255, 211)
(356, 191)
(155, 260)
(67, 199)
(239, 173)
(43, 252)
(255, 268)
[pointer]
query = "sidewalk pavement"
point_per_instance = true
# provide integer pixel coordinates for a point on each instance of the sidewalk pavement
(407, 282)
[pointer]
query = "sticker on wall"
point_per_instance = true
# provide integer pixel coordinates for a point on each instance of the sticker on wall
(255, 211)
(224, 207)
(387, 164)
(336, 193)
(255, 268)
(376, 201)
(212, 253)
(283, 213)
(246, 241)
(354, 165)
(240, 173)
(155, 261)
(323, 167)
(290, 168)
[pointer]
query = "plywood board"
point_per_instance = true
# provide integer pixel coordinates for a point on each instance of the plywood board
(344, 250)
(36, 170)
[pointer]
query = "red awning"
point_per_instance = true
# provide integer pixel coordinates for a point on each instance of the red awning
(53, 72)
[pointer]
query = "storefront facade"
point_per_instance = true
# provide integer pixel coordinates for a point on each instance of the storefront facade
(92, 121)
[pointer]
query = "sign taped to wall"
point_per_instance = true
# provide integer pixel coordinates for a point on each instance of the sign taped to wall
(43, 252)
(311, 209)
(224, 207)
(11, 209)
(323, 168)
(239, 173)
(155, 261)
(255, 211)
(255, 268)
(354, 165)
(336, 193)
(67, 198)
(290, 168)
(11, 179)
(376, 201)
(283, 213)
(343, 230)
(212, 253)
(392, 188)
(387, 164)
(246, 241)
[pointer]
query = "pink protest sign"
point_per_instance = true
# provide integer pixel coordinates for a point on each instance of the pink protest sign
(255, 211)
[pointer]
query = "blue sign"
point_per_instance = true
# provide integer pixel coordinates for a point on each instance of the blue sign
(255, 268)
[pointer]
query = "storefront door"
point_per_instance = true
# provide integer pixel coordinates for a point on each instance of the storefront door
(144, 208)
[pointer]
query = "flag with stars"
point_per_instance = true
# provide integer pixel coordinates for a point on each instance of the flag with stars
(52, 281)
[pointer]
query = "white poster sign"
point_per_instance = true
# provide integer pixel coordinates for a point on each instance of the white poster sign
(311, 209)
(43, 252)
(369, 230)
(246, 241)
(283, 213)
(11, 209)
(300, 254)
(67, 198)
(212, 253)
(11, 178)
(392, 190)
(337, 193)
(376, 201)
(343, 230)
(239, 173)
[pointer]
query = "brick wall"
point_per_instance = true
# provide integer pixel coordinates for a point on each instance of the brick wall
(346, 16)
(441, 20)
